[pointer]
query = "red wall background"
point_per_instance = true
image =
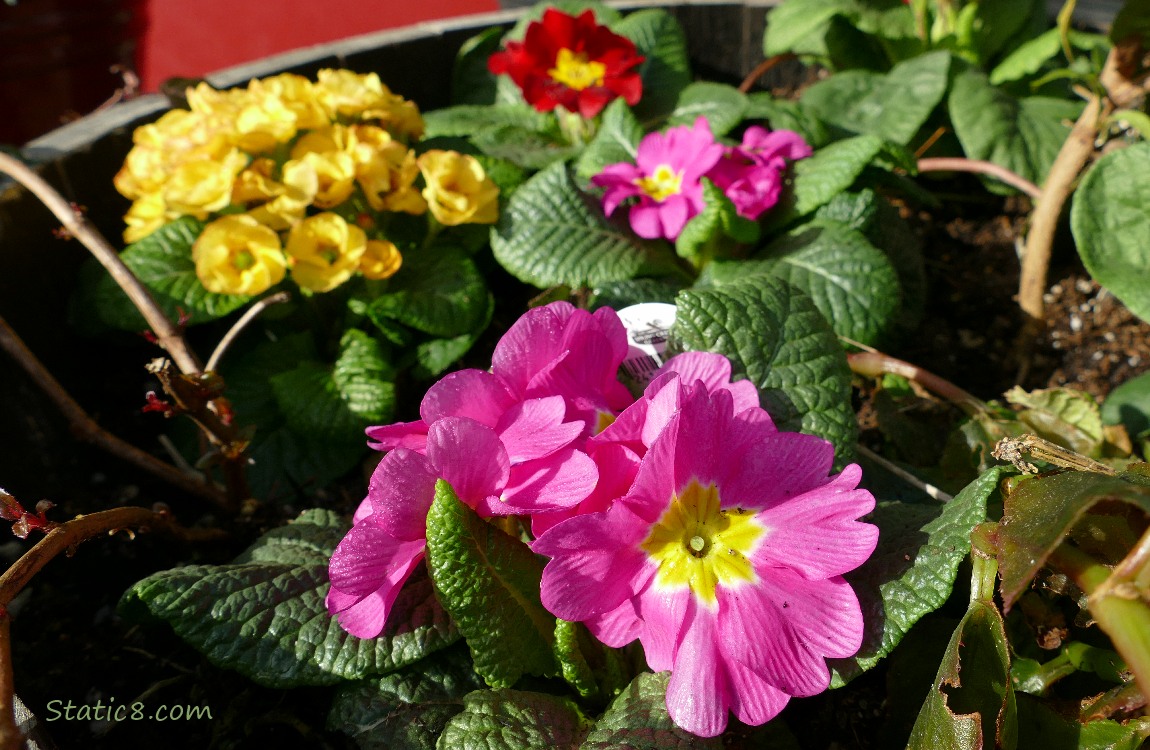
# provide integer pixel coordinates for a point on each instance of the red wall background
(189, 39)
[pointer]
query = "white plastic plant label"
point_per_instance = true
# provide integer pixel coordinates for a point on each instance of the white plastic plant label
(648, 326)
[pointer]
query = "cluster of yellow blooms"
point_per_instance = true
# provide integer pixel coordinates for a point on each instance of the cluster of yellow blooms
(268, 163)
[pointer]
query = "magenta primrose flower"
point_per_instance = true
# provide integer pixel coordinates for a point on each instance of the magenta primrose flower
(665, 178)
(751, 174)
(508, 441)
(725, 555)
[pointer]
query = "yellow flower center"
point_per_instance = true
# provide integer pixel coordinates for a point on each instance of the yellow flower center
(698, 544)
(243, 259)
(575, 71)
(664, 183)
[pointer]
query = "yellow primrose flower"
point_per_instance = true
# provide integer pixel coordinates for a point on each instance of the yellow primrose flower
(147, 214)
(238, 255)
(386, 171)
(335, 172)
(293, 195)
(458, 190)
(198, 188)
(352, 95)
(297, 94)
(263, 124)
(324, 251)
(381, 259)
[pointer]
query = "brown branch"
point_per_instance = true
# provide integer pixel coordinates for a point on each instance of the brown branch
(83, 427)
(167, 333)
(245, 319)
(875, 364)
(979, 166)
(761, 70)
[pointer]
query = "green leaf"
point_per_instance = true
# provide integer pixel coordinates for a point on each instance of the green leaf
(1129, 404)
(437, 355)
(516, 132)
(489, 583)
(616, 141)
(666, 71)
(337, 402)
(1061, 415)
(551, 233)
(800, 26)
(408, 708)
(830, 171)
(710, 233)
(471, 82)
(436, 291)
(514, 720)
(1023, 135)
(638, 720)
(162, 261)
(620, 294)
(723, 106)
(1040, 511)
(595, 671)
(912, 571)
(971, 704)
(1108, 219)
(1039, 725)
(996, 23)
(1028, 58)
(893, 106)
(264, 615)
(852, 283)
(776, 338)
(1133, 19)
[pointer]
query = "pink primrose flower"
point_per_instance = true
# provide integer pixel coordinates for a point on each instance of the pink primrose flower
(751, 174)
(665, 179)
(725, 555)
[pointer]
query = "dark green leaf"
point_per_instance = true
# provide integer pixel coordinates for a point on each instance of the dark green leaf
(489, 583)
(638, 720)
(264, 615)
(1039, 725)
(972, 702)
(775, 337)
(1110, 226)
(1129, 404)
(713, 232)
(471, 82)
(893, 106)
(800, 26)
(436, 291)
(912, 571)
(723, 106)
(1041, 511)
(666, 71)
(514, 720)
(616, 141)
(1133, 19)
(620, 294)
(551, 234)
(830, 171)
(996, 23)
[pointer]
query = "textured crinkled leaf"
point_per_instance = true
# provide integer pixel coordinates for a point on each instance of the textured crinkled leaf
(638, 720)
(526, 148)
(335, 403)
(1023, 135)
(406, 709)
(776, 337)
(437, 355)
(723, 106)
(786, 114)
(1129, 405)
(667, 67)
(830, 171)
(713, 232)
(971, 705)
(1041, 510)
(469, 119)
(514, 720)
(893, 105)
(1062, 415)
(912, 571)
(162, 261)
(881, 223)
(264, 615)
(1110, 226)
(595, 671)
(615, 142)
(489, 582)
(439, 292)
(551, 233)
(620, 294)
(852, 283)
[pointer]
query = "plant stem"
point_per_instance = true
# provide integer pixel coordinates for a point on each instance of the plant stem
(875, 364)
(167, 333)
(979, 166)
(10, 738)
(251, 314)
(1122, 616)
(85, 428)
(761, 70)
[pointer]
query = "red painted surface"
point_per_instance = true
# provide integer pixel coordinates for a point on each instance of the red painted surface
(189, 39)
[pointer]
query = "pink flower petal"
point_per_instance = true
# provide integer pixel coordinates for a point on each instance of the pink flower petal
(825, 615)
(401, 491)
(617, 466)
(366, 558)
(473, 394)
(617, 627)
(780, 466)
(646, 219)
(697, 692)
(753, 700)
(470, 456)
(535, 428)
(367, 617)
(410, 435)
(559, 481)
(532, 343)
(663, 611)
(714, 370)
